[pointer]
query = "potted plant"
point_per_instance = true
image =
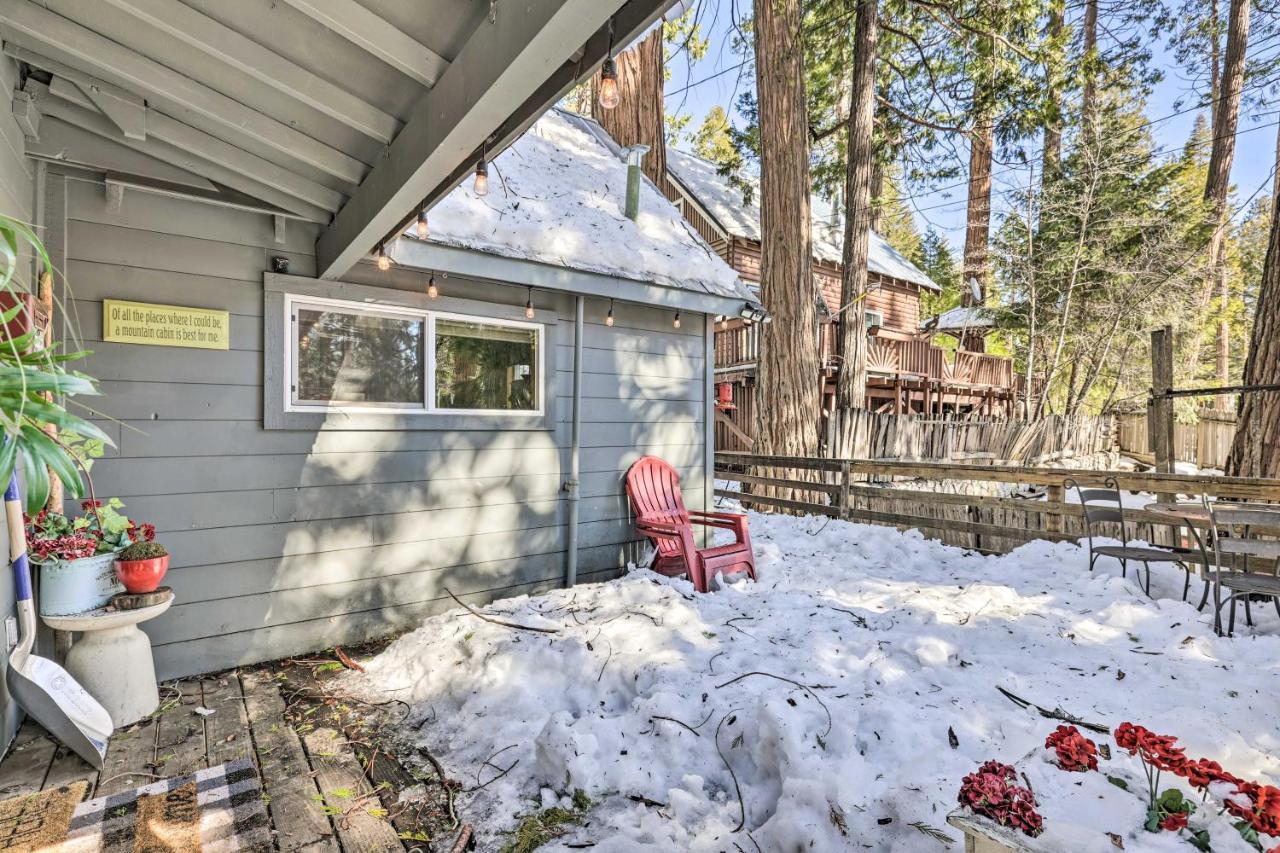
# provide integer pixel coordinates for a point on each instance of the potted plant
(76, 555)
(142, 565)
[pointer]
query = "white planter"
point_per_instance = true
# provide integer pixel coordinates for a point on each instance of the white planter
(982, 835)
(77, 586)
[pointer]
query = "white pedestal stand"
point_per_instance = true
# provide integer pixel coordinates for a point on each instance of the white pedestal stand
(112, 659)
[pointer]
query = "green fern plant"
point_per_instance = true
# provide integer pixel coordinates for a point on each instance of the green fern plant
(33, 378)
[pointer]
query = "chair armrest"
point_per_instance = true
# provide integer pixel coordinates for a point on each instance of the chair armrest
(669, 531)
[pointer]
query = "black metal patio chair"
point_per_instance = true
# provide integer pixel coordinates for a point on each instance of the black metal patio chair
(1234, 531)
(1096, 513)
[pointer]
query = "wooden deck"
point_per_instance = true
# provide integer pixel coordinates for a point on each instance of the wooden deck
(319, 797)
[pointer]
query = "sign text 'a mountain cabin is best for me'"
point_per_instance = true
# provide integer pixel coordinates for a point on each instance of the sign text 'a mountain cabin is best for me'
(165, 325)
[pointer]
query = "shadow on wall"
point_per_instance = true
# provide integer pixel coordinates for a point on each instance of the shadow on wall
(286, 541)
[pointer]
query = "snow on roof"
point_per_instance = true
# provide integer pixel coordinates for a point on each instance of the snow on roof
(973, 317)
(556, 196)
(724, 202)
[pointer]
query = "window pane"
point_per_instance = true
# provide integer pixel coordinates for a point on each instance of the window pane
(480, 366)
(359, 359)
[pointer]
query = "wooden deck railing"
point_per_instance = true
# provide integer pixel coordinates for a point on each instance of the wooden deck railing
(976, 368)
(878, 492)
(737, 345)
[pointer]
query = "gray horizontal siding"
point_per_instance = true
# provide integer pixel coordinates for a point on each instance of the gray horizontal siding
(285, 541)
(16, 197)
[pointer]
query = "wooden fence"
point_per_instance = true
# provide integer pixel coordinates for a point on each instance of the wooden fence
(881, 492)
(868, 435)
(1205, 443)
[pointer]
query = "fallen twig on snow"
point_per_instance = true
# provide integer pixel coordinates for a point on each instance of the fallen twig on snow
(1056, 714)
(464, 839)
(682, 723)
(346, 659)
(742, 806)
(502, 622)
(803, 687)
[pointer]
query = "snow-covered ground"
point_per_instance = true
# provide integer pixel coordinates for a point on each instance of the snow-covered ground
(647, 693)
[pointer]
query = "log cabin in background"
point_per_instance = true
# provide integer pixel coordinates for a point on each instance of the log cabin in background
(907, 371)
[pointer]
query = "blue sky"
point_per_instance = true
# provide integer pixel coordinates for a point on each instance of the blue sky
(718, 79)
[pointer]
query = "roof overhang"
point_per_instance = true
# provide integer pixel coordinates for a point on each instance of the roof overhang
(330, 111)
(436, 258)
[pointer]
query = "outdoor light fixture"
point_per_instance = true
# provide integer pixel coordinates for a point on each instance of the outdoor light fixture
(608, 318)
(609, 94)
(754, 312)
(528, 306)
(724, 322)
(432, 290)
(384, 262)
(481, 185)
(420, 227)
(675, 324)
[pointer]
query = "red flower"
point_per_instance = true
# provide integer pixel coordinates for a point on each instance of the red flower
(1174, 821)
(990, 792)
(149, 532)
(1157, 750)
(1203, 773)
(88, 505)
(1074, 750)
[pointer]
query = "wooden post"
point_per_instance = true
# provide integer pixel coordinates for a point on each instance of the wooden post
(1160, 427)
(845, 476)
(1053, 521)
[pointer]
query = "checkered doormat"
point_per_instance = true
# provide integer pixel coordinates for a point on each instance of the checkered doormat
(217, 810)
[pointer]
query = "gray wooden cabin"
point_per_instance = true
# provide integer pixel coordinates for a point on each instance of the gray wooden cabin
(178, 155)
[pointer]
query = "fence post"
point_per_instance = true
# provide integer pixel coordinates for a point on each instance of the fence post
(845, 474)
(1053, 520)
(1160, 425)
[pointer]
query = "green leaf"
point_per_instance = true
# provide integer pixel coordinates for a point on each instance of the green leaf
(1118, 782)
(36, 478)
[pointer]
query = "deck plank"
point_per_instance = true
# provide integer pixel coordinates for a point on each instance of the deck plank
(24, 768)
(67, 767)
(131, 754)
(292, 795)
(226, 731)
(180, 747)
(345, 787)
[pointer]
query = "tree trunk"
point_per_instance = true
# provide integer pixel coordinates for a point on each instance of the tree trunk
(860, 168)
(1051, 158)
(638, 119)
(978, 230)
(877, 193)
(1089, 95)
(1226, 117)
(788, 410)
(1255, 452)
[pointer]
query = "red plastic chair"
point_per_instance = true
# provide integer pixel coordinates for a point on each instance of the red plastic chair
(653, 488)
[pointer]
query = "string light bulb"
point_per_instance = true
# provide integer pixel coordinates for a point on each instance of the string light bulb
(528, 306)
(421, 228)
(675, 324)
(608, 318)
(432, 290)
(481, 185)
(383, 261)
(609, 94)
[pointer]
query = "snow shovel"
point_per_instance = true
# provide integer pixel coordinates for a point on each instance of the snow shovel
(41, 687)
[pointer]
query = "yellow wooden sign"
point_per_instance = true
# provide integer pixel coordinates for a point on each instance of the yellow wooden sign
(165, 325)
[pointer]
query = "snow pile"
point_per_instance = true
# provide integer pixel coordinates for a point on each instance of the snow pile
(814, 707)
(557, 196)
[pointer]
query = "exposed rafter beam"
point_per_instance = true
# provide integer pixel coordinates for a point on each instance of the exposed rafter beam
(28, 25)
(60, 142)
(504, 63)
(174, 155)
(125, 109)
(215, 39)
(363, 28)
(196, 141)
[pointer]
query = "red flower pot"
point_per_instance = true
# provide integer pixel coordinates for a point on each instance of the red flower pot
(142, 575)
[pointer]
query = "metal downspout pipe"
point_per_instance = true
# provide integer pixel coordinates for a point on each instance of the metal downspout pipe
(575, 437)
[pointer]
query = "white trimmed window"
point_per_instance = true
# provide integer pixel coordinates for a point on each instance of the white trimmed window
(355, 357)
(873, 319)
